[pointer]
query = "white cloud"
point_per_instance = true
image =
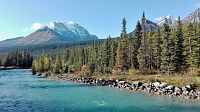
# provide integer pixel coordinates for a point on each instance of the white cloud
(36, 26)
(158, 19)
(197, 5)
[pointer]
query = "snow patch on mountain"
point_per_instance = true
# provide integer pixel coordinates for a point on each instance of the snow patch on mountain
(71, 29)
(169, 19)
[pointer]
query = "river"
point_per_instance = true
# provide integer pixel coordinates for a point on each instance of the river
(20, 91)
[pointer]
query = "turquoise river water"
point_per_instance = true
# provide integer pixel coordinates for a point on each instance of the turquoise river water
(20, 91)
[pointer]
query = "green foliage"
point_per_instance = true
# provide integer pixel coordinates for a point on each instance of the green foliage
(157, 48)
(122, 58)
(180, 63)
(20, 59)
(145, 49)
(166, 50)
(57, 66)
(92, 67)
(166, 54)
(41, 63)
(135, 45)
(72, 69)
(85, 71)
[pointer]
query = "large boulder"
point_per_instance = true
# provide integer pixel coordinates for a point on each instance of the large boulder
(170, 89)
(189, 87)
(121, 82)
(163, 85)
(145, 86)
(186, 89)
(177, 91)
(156, 84)
(136, 84)
(192, 94)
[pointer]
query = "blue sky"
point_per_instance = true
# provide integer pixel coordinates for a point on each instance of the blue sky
(100, 17)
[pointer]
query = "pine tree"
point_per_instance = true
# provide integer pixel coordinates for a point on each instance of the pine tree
(46, 62)
(144, 48)
(122, 58)
(158, 48)
(107, 54)
(135, 45)
(83, 57)
(172, 52)
(179, 56)
(151, 49)
(113, 53)
(189, 45)
(198, 46)
(33, 67)
(165, 67)
(57, 66)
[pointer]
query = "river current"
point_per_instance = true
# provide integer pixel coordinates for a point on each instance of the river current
(20, 91)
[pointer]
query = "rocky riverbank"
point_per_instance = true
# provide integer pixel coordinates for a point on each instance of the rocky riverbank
(158, 88)
(7, 68)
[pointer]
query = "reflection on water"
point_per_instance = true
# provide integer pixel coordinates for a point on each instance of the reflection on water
(22, 92)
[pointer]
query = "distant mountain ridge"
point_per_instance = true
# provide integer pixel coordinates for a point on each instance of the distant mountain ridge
(169, 19)
(55, 32)
(193, 17)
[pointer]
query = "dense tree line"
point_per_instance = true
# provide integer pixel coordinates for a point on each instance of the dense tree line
(19, 59)
(167, 50)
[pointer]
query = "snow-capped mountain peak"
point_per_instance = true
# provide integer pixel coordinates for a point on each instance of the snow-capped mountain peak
(169, 19)
(71, 29)
(54, 32)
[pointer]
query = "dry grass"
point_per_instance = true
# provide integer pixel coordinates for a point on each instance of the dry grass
(178, 80)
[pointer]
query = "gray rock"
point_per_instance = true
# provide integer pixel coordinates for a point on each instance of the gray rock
(163, 85)
(170, 87)
(144, 86)
(184, 88)
(189, 87)
(121, 82)
(177, 91)
(185, 93)
(136, 84)
(156, 84)
(192, 95)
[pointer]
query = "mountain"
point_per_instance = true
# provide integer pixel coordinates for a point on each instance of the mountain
(169, 19)
(149, 25)
(55, 32)
(72, 29)
(193, 17)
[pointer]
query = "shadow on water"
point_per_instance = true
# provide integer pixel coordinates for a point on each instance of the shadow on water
(56, 86)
